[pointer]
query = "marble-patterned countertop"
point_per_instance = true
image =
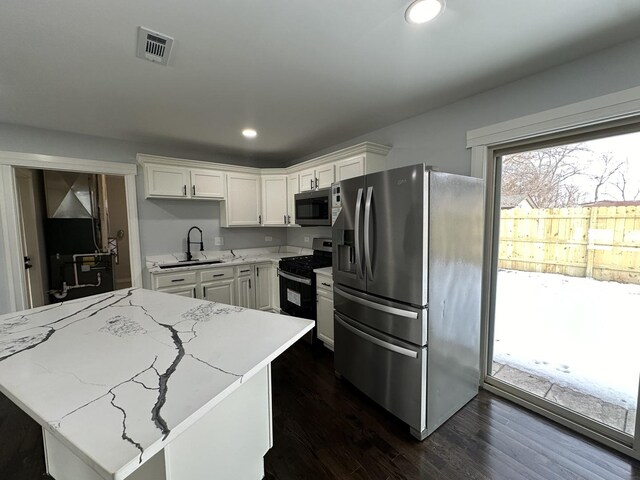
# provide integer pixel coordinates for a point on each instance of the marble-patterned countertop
(327, 271)
(238, 257)
(117, 376)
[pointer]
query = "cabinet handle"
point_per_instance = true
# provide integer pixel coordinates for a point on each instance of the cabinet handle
(326, 284)
(177, 280)
(219, 275)
(245, 271)
(285, 219)
(316, 183)
(289, 219)
(194, 189)
(249, 284)
(311, 180)
(260, 219)
(184, 190)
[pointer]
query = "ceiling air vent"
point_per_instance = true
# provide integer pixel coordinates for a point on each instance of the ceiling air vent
(154, 46)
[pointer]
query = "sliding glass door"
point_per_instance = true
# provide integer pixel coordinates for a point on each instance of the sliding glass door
(564, 325)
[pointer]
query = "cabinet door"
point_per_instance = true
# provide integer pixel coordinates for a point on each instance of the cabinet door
(207, 184)
(324, 309)
(325, 176)
(186, 291)
(274, 200)
(244, 292)
(263, 287)
(307, 180)
(349, 168)
(167, 181)
(243, 200)
(293, 187)
(220, 292)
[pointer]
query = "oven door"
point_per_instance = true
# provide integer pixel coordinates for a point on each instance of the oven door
(313, 208)
(297, 295)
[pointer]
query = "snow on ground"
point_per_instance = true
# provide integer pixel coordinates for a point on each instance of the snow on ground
(578, 332)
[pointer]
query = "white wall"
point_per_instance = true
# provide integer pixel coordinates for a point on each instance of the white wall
(296, 236)
(438, 137)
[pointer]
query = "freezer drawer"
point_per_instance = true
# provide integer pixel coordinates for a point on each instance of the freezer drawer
(396, 319)
(390, 372)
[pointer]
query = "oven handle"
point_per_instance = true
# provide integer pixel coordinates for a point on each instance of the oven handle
(295, 278)
(370, 338)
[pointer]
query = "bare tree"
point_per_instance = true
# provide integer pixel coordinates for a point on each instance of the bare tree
(545, 175)
(607, 168)
(622, 185)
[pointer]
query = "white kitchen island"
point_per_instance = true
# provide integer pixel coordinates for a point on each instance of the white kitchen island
(143, 385)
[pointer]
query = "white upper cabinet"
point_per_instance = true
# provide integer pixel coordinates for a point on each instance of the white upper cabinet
(166, 181)
(242, 205)
(293, 187)
(207, 184)
(274, 200)
(349, 168)
(307, 180)
(319, 177)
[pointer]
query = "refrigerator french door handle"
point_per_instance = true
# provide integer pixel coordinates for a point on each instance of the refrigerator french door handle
(367, 240)
(376, 306)
(359, 269)
(381, 343)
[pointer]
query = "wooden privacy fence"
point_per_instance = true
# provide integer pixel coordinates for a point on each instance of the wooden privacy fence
(597, 242)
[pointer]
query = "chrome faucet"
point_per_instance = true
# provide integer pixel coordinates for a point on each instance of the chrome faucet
(189, 242)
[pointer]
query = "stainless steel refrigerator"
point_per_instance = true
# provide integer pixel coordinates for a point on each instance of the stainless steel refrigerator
(407, 261)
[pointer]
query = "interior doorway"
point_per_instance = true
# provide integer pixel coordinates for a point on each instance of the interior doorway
(563, 327)
(73, 228)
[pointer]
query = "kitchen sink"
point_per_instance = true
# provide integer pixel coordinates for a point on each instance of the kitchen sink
(188, 263)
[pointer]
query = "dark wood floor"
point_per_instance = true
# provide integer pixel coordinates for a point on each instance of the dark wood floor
(326, 429)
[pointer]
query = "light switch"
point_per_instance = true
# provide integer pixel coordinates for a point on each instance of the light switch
(267, 238)
(306, 239)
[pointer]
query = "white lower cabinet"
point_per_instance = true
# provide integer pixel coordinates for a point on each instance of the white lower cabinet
(222, 291)
(250, 285)
(183, 291)
(264, 286)
(324, 309)
(245, 296)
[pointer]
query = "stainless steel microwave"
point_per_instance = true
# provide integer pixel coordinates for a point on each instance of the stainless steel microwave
(313, 208)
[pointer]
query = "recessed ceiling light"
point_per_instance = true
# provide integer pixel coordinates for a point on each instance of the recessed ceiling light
(422, 11)
(249, 133)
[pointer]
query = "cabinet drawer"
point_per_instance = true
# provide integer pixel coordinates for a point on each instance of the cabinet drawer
(324, 283)
(216, 274)
(175, 279)
(244, 270)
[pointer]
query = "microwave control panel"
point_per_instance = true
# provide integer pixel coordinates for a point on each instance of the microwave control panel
(336, 202)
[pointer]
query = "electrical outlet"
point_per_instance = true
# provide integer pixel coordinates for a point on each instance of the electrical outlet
(306, 239)
(267, 238)
(219, 241)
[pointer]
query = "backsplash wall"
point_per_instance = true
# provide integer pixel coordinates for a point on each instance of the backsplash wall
(164, 225)
(296, 236)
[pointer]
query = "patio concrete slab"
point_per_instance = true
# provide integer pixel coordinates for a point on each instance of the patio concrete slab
(530, 383)
(589, 406)
(631, 422)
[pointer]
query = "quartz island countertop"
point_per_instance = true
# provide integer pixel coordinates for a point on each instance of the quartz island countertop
(115, 377)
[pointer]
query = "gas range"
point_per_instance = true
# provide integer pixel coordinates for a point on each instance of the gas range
(305, 264)
(298, 282)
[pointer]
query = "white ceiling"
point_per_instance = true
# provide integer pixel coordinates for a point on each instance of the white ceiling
(306, 74)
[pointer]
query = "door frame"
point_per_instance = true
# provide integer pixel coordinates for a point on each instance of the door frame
(615, 109)
(12, 249)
